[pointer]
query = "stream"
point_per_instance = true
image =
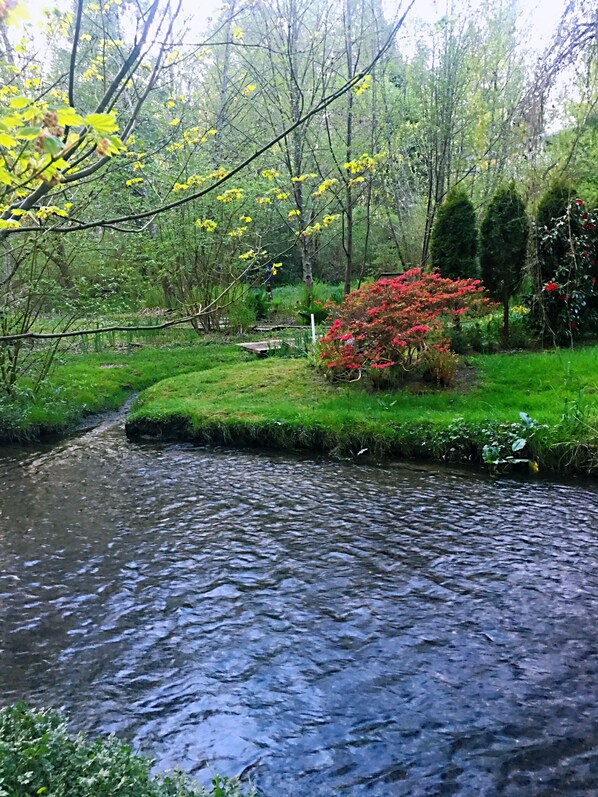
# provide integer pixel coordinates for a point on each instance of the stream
(322, 628)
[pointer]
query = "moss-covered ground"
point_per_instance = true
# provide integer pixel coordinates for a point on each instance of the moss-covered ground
(288, 404)
(83, 384)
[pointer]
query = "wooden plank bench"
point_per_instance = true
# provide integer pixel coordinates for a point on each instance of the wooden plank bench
(262, 347)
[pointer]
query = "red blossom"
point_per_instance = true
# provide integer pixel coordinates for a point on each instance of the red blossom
(552, 286)
(391, 322)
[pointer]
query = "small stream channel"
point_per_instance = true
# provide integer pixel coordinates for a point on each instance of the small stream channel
(324, 628)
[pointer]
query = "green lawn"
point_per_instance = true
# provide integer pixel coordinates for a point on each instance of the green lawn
(288, 403)
(82, 384)
(214, 392)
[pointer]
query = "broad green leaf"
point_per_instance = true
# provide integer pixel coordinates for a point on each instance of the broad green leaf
(103, 123)
(68, 117)
(27, 133)
(52, 145)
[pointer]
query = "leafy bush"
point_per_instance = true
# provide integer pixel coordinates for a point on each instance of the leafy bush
(454, 243)
(508, 444)
(40, 758)
(440, 366)
(258, 300)
(315, 308)
(568, 252)
(241, 315)
(386, 326)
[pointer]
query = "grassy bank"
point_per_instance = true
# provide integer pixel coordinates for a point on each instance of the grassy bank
(286, 404)
(83, 384)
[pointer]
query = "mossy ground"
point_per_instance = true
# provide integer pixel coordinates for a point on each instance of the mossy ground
(83, 384)
(214, 392)
(288, 404)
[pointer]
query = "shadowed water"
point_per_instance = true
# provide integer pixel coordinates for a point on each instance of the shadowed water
(325, 629)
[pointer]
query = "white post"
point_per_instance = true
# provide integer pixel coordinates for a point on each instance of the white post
(313, 329)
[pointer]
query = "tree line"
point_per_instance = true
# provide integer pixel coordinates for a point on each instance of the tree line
(287, 139)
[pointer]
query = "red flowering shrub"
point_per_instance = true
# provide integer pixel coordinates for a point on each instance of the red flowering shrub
(387, 325)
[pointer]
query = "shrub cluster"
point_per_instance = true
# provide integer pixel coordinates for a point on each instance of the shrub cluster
(387, 326)
(40, 758)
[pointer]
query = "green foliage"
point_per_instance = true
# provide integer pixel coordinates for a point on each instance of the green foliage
(315, 308)
(454, 243)
(509, 443)
(40, 758)
(260, 303)
(286, 404)
(292, 300)
(439, 366)
(241, 315)
(554, 203)
(567, 304)
(485, 335)
(504, 234)
(552, 206)
(442, 112)
(295, 346)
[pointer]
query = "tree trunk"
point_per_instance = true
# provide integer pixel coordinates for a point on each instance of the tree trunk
(505, 320)
(349, 150)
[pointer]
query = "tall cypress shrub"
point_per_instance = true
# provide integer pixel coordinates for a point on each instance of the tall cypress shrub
(504, 235)
(552, 207)
(454, 243)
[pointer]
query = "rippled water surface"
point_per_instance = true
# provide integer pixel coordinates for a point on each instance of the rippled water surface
(325, 629)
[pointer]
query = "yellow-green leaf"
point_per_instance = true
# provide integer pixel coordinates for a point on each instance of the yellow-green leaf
(103, 123)
(68, 117)
(11, 121)
(5, 177)
(19, 102)
(7, 141)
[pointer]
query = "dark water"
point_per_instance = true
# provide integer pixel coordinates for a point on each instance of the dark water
(326, 629)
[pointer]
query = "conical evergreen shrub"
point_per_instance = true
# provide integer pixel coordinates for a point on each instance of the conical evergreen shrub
(454, 243)
(504, 235)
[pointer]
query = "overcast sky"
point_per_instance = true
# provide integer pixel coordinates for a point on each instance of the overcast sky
(538, 16)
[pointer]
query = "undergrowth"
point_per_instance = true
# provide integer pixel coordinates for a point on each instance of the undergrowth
(40, 758)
